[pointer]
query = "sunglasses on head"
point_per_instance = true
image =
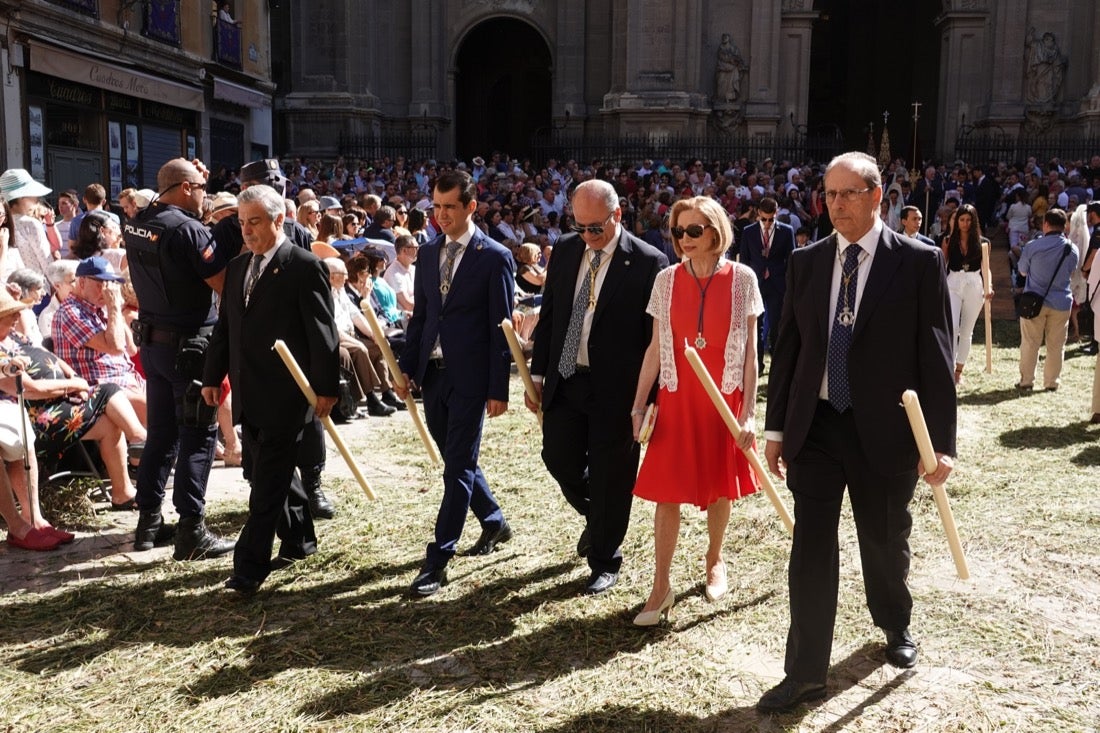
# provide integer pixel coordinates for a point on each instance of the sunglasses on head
(692, 230)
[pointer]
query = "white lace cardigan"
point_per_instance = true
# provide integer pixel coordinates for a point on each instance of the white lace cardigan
(746, 302)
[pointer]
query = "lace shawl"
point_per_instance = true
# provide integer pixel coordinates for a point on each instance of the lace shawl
(746, 302)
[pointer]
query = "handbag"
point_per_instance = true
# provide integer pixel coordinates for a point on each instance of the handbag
(1029, 304)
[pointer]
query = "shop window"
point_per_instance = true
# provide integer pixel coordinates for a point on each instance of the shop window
(84, 7)
(162, 21)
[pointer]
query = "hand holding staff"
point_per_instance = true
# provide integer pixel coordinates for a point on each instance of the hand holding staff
(735, 430)
(399, 379)
(987, 286)
(521, 365)
(928, 460)
(281, 349)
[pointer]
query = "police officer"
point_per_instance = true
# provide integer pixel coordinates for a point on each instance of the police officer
(227, 235)
(175, 269)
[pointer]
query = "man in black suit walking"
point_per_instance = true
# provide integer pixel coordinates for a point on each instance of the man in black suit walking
(871, 319)
(278, 291)
(765, 247)
(592, 333)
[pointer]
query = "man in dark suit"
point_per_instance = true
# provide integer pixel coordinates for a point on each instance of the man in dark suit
(382, 226)
(871, 319)
(279, 291)
(928, 195)
(765, 247)
(986, 195)
(456, 351)
(592, 333)
(910, 225)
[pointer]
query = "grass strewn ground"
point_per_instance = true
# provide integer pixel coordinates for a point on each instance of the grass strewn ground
(333, 643)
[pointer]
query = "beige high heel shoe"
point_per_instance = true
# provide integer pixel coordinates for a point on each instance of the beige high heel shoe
(719, 587)
(652, 618)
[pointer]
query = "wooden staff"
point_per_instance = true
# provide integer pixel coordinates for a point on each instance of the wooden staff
(281, 349)
(928, 459)
(735, 430)
(521, 365)
(987, 288)
(399, 379)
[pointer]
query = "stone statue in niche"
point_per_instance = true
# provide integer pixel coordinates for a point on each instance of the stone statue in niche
(1046, 68)
(728, 72)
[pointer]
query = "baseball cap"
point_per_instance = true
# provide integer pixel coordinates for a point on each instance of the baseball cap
(98, 268)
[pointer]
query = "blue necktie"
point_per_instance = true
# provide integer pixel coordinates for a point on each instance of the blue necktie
(840, 340)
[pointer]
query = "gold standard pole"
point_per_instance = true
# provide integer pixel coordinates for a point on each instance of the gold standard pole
(735, 430)
(521, 364)
(399, 379)
(987, 288)
(281, 349)
(928, 459)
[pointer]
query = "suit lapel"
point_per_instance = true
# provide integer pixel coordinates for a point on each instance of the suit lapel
(822, 286)
(883, 266)
(271, 273)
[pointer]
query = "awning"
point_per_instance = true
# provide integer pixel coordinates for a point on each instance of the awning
(241, 95)
(93, 71)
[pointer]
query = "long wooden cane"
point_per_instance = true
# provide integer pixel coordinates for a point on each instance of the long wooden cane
(735, 430)
(281, 349)
(987, 289)
(928, 459)
(399, 379)
(521, 365)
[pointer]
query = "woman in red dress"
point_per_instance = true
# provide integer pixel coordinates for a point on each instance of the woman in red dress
(712, 305)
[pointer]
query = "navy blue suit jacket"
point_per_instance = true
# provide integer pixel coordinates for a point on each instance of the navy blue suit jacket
(775, 264)
(468, 323)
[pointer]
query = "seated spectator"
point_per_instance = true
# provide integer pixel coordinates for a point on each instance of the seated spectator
(530, 277)
(357, 347)
(400, 273)
(31, 289)
(383, 297)
(382, 225)
(309, 216)
(61, 276)
(329, 228)
(100, 235)
(91, 333)
(64, 408)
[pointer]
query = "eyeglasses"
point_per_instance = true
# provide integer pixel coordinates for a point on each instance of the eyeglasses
(692, 230)
(848, 194)
(594, 229)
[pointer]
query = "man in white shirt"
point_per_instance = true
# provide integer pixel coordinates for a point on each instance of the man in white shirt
(399, 275)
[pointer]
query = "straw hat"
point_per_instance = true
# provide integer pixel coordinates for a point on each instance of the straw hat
(9, 305)
(221, 201)
(16, 183)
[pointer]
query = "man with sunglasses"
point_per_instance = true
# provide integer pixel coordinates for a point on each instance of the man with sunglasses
(176, 268)
(765, 247)
(592, 333)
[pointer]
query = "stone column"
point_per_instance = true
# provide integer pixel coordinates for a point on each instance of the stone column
(964, 28)
(568, 108)
(426, 59)
(762, 111)
(796, 31)
(1006, 102)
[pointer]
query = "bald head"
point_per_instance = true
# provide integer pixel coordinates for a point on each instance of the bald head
(181, 184)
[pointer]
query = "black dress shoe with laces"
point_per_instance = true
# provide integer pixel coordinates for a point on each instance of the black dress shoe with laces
(428, 582)
(244, 586)
(901, 650)
(789, 694)
(599, 583)
(490, 539)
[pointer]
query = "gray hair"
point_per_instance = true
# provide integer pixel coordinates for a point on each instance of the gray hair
(27, 280)
(59, 271)
(599, 189)
(861, 164)
(266, 196)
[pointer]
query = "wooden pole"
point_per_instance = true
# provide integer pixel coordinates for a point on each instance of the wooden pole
(521, 365)
(987, 289)
(735, 430)
(281, 349)
(928, 459)
(399, 379)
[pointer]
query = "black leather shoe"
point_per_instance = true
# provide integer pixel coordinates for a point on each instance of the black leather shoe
(195, 542)
(244, 586)
(599, 583)
(377, 408)
(901, 650)
(584, 544)
(428, 582)
(389, 397)
(152, 531)
(319, 505)
(489, 539)
(788, 694)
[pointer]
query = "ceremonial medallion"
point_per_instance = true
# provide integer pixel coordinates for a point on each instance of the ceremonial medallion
(700, 342)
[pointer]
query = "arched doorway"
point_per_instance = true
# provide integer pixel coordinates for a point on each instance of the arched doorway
(502, 88)
(869, 56)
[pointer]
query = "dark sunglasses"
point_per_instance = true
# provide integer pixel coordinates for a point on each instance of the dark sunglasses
(767, 218)
(594, 229)
(692, 230)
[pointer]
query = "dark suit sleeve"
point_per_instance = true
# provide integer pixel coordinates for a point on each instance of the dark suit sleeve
(787, 347)
(217, 353)
(502, 284)
(318, 316)
(936, 354)
(544, 329)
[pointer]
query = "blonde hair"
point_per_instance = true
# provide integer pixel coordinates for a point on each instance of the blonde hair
(715, 215)
(527, 253)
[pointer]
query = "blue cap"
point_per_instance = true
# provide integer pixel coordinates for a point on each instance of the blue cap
(98, 268)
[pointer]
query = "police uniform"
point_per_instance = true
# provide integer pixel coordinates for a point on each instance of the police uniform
(171, 254)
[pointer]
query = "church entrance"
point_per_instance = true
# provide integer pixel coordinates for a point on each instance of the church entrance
(870, 57)
(502, 88)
